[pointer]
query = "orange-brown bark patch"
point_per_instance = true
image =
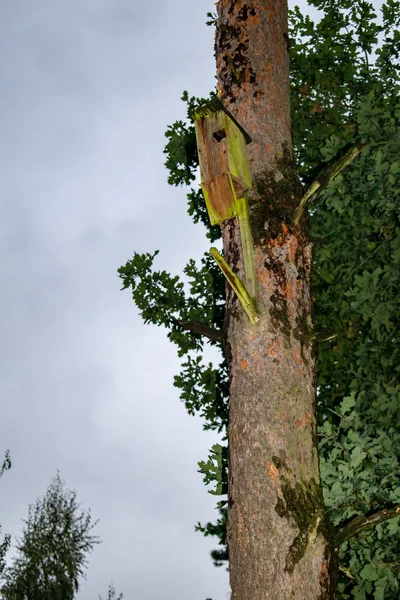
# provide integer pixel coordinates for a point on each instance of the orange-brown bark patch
(290, 292)
(274, 347)
(292, 248)
(297, 356)
(271, 8)
(273, 473)
(304, 421)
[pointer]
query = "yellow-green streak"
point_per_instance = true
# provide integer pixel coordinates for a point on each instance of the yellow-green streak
(247, 245)
(245, 300)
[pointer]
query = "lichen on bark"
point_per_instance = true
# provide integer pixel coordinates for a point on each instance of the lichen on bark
(302, 502)
(277, 191)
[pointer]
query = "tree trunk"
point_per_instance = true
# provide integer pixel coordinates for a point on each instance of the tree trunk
(278, 543)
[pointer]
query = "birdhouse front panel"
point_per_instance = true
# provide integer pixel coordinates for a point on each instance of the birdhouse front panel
(224, 165)
(219, 198)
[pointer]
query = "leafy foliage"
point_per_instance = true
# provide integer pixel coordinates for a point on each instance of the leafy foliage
(6, 463)
(182, 153)
(162, 300)
(215, 469)
(350, 93)
(211, 19)
(52, 552)
(344, 89)
(204, 390)
(219, 530)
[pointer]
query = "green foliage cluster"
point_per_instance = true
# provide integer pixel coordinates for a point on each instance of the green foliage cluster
(52, 551)
(344, 89)
(217, 463)
(215, 470)
(162, 300)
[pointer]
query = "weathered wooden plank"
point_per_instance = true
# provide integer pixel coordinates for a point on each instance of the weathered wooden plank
(224, 165)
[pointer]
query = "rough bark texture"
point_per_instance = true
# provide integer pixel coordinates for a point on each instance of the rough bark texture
(278, 545)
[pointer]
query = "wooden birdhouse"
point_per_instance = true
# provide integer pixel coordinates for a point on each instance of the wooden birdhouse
(224, 164)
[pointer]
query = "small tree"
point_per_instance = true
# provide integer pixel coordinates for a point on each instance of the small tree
(52, 551)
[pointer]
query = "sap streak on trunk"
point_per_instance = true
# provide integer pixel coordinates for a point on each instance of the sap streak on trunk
(277, 540)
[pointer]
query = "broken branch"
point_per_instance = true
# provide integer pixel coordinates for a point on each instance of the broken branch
(362, 522)
(325, 176)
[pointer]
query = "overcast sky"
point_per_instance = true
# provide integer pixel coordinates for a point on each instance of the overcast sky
(88, 88)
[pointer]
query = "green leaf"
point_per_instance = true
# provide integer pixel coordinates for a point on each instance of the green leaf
(357, 456)
(347, 404)
(369, 572)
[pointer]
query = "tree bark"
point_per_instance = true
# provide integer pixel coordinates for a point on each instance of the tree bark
(279, 546)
